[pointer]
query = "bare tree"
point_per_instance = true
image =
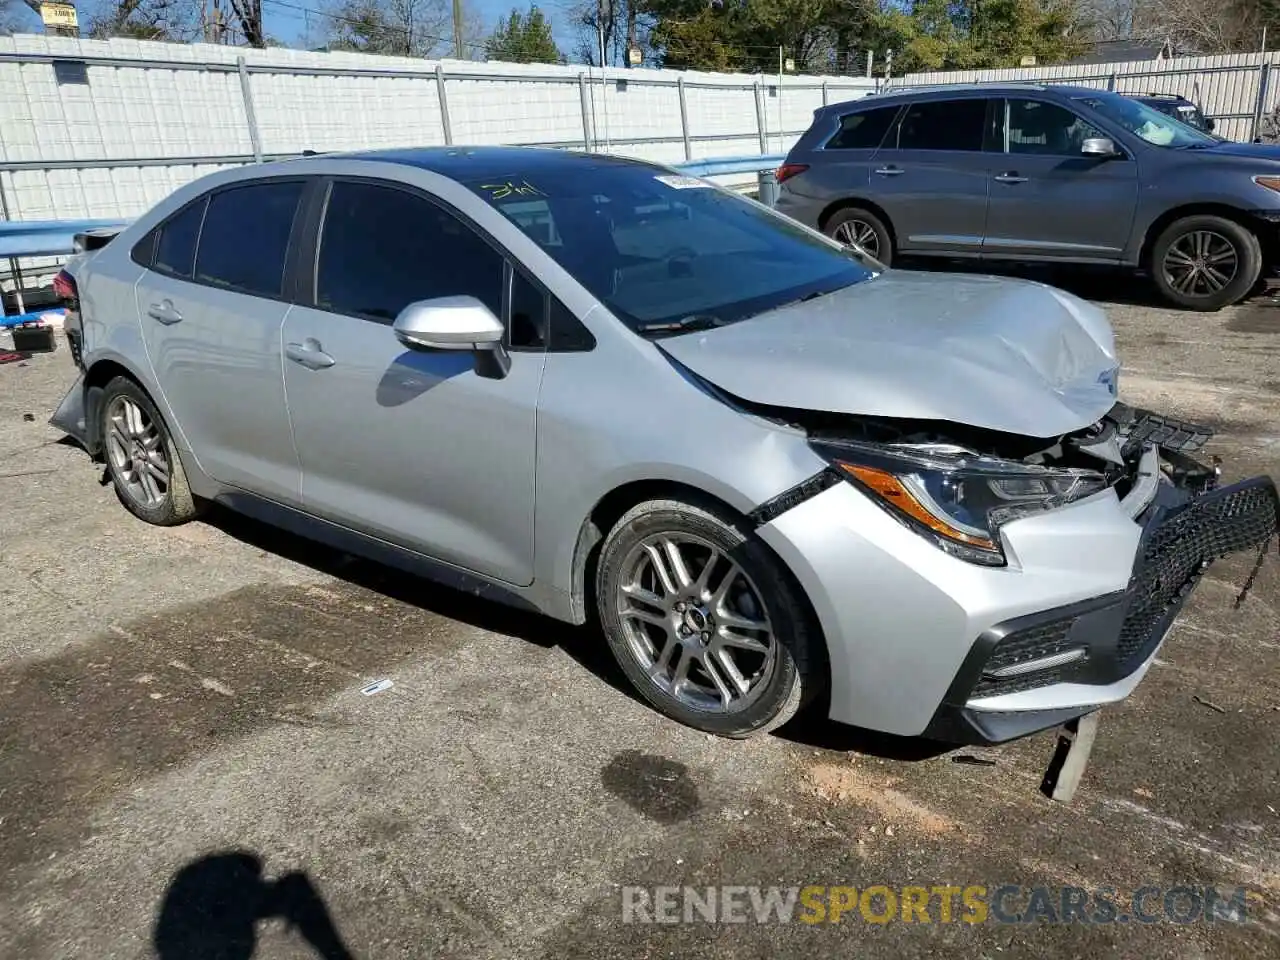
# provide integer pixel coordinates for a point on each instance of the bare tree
(407, 28)
(177, 20)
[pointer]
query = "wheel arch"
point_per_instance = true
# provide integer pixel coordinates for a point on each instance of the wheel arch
(96, 377)
(870, 206)
(614, 504)
(1214, 209)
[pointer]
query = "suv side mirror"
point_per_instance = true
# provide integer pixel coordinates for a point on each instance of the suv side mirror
(1209, 124)
(448, 323)
(1099, 147)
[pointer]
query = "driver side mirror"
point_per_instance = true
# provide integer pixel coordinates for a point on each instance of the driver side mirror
(1099, 147)
(455, 323)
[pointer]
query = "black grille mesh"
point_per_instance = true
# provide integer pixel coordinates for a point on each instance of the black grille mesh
(1033, 643)
(1180, 549)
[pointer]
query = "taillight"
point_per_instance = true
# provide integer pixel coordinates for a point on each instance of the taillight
(789, 170)
(64, 287)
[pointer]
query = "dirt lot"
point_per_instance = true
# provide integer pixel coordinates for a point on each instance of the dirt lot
(169, 698)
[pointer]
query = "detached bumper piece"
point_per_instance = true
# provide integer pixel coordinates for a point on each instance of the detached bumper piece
(1104, 640)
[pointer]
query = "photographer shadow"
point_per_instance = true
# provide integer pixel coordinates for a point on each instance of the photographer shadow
(213, 905)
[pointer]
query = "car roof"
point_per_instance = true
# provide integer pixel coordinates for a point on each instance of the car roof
(900, 94)
(466, 163)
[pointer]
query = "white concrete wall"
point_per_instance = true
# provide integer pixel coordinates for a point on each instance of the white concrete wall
(146, 122)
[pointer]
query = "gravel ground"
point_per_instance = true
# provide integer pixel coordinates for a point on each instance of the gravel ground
(184, 749)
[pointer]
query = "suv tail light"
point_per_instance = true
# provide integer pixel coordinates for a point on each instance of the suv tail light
(64, 287)
(789, 170)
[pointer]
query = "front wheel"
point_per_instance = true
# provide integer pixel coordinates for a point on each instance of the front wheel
(1205, 262)
(704, 620)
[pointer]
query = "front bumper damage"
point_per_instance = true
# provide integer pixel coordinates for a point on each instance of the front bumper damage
(1003, 690)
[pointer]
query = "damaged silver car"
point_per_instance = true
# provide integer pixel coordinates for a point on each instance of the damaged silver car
(771, 471)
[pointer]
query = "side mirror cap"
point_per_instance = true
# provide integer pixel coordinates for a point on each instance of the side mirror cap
(1099, 147)
(1209, 123)
(448, 323)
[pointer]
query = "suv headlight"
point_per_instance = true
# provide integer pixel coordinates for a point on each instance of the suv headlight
(956, 498)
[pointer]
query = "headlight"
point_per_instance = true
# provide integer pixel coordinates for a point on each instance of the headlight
(955, 497)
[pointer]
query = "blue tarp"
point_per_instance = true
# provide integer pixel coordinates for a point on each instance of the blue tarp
(28, 317)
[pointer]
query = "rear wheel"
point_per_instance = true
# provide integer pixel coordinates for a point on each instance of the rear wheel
(704, 620)
(141, 457)
(861, 228)
(1205, 262)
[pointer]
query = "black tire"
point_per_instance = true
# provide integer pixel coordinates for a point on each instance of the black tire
(785, 679)
(1177, 244)
(176, 504)
(850, 221)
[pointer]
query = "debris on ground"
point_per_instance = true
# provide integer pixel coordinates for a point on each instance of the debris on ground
(1207, 703)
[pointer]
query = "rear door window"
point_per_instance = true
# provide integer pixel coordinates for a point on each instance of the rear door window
(944, 125)
(245, 238)
(863, 130)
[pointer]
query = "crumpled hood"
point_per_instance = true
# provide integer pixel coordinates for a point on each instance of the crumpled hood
(1008, 355)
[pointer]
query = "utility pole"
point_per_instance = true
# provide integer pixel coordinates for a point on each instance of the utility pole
(457, 30)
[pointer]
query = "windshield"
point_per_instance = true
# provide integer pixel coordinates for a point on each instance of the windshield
(1148, 123)
(660, 249)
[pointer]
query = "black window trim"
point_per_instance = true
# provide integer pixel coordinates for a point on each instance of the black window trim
(286, 284)
(308, 260)
(990, 137)
(1070, 108)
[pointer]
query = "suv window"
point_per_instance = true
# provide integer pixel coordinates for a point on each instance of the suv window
(943, 125)
(175, 247)
(863, 130)
(245, 237)
(382, 248)
(1046, 128)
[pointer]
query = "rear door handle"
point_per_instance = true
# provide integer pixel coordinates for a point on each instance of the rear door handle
(1011, 177)
(890, 171)
(309, 353)
(164, 311)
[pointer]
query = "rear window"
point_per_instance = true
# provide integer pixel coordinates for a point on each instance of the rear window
(863, 130)
(245, 237)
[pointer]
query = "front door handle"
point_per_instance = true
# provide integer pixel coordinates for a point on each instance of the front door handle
(308, 353)
(890, 171)
(1010, 177)
(164, 311)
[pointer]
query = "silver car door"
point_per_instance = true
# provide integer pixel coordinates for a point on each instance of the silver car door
(211, 305)
(424, 449)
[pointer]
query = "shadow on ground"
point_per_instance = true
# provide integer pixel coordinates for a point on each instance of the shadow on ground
(213, 905)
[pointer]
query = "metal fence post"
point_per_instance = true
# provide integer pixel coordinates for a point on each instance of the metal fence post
(825, 97)
(1260, 107)
(250, 116)
(1111, 83)
(760, 127)
(587, 132)
(442, 94)
(684, 120)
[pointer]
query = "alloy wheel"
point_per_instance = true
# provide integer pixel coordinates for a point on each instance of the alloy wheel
(695, 623)
(858, 233)
(137, 453)
(1201, 263)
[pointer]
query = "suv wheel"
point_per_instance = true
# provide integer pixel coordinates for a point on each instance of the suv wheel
(141, 458)
(704, 620)
(862, 228)
(1205, 262)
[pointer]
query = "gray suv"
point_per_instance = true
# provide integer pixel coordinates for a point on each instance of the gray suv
(1048, 174)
